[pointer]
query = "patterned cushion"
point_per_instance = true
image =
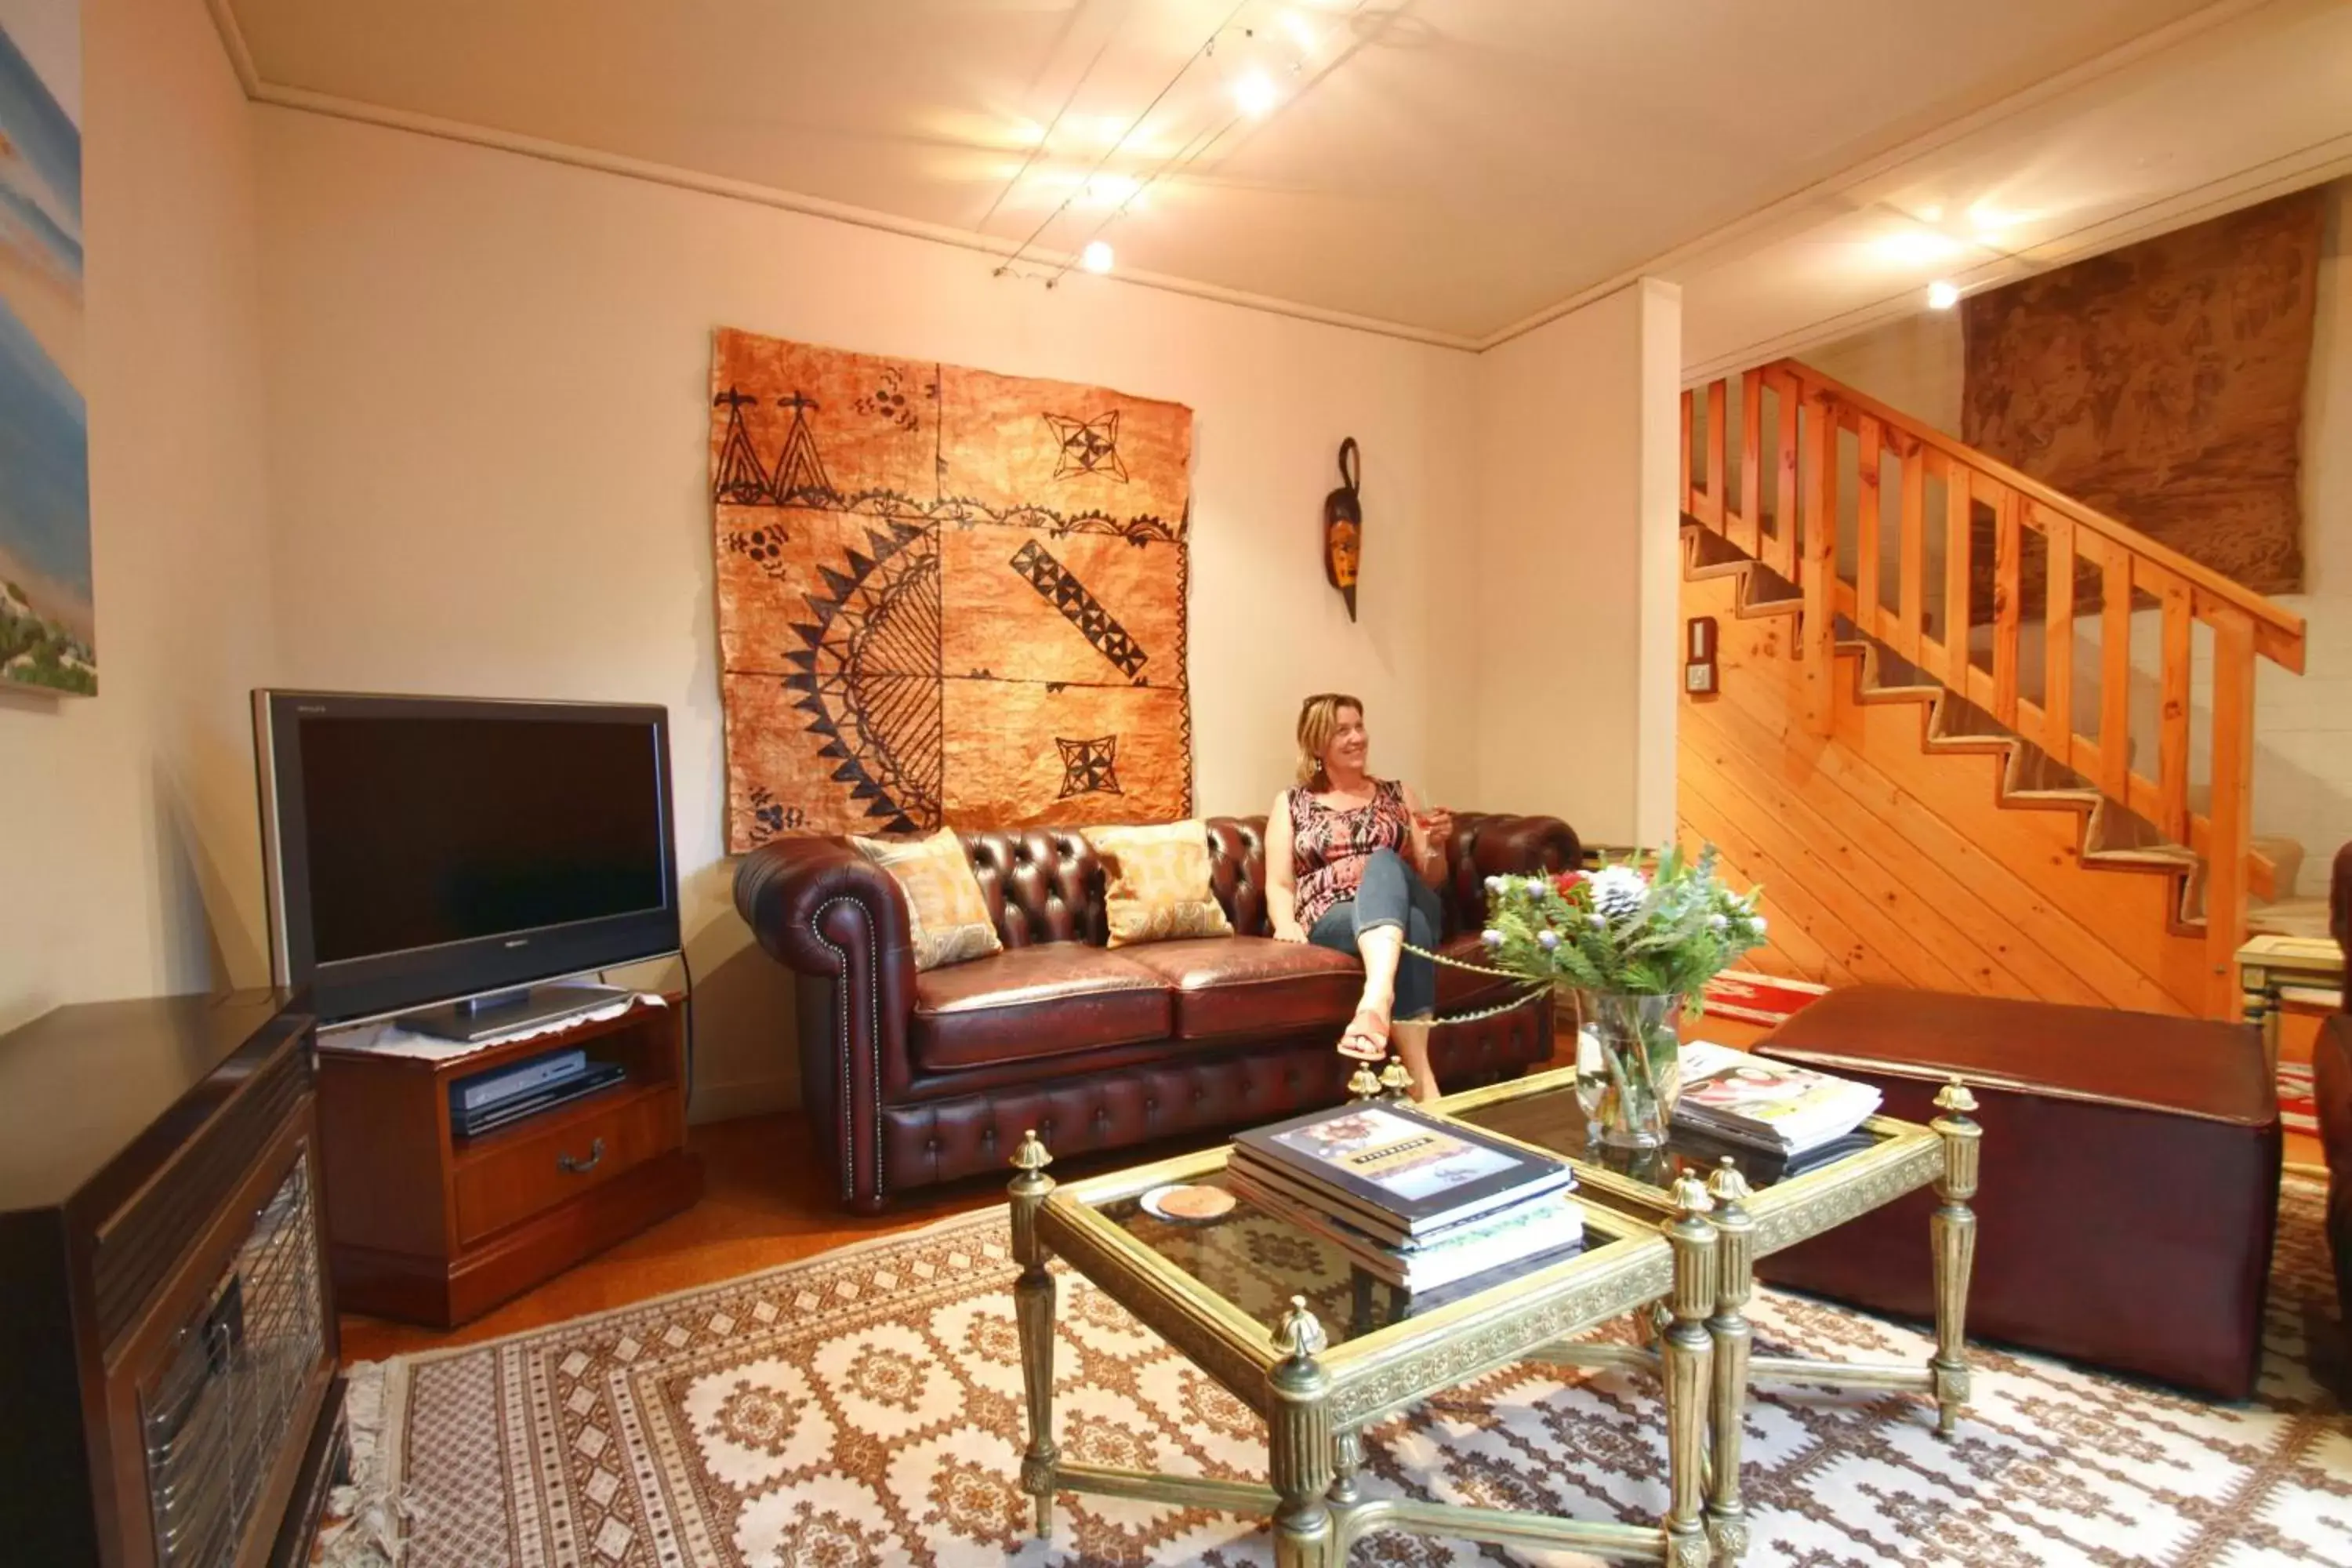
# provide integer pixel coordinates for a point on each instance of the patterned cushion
(947, 915)
(1156, 883)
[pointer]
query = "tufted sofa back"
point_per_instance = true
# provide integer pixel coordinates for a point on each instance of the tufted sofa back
(1046, 884)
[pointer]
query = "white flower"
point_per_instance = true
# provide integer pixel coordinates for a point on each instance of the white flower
(1548, 939)
(1598, 920)
(1759, 928)
(1719, 923)
(1537, 887)
(1496, 884)
(1619, 891)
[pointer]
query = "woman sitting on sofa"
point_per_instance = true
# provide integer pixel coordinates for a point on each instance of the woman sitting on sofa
(1348, 863)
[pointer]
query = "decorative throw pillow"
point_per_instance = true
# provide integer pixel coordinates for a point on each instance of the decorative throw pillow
(1156, 883)
(947, 914)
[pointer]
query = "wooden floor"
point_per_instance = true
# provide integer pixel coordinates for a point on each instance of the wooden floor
(765, 1203)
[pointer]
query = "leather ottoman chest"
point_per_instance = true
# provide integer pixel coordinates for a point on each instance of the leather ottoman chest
(2130, 1177)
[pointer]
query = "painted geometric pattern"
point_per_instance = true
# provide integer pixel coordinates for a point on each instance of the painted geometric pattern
(931, 580)
(867, 1408)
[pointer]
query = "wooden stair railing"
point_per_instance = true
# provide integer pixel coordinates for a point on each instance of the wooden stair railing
(1773, 494)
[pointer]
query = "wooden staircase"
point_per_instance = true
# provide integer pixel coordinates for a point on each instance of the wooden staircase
(1845, 532)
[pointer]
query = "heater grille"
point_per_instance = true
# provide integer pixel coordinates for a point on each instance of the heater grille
(219, 1413)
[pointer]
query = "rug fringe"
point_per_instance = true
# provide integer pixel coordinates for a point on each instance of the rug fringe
(367, 1517)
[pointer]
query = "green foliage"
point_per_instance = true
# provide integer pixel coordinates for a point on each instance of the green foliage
(1664, 932)
(35, 652)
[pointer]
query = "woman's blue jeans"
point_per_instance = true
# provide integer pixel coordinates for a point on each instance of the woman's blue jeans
(1391, 894)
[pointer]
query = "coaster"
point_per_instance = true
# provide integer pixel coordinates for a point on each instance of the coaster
(1185, 1205)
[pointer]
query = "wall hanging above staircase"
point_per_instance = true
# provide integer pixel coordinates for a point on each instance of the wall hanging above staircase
(2162, 384)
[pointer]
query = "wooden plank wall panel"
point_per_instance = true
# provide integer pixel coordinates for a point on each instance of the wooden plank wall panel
(1883, 863)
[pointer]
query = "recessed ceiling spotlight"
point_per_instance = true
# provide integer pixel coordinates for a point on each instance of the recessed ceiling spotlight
(1943, 294)
(1254, 93)
(1096, 256)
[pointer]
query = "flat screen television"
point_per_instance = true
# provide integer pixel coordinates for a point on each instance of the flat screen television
(424, 848)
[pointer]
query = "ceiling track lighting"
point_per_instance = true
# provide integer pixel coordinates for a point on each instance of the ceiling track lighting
(1255, 90)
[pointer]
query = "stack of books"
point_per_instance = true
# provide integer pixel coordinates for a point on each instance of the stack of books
(1412, 1199)
(1766, 1105)
(489, 1101)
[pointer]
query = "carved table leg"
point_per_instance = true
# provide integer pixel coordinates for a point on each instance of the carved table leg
(1032, 1305)
(1954, 1231)
(1735, 1259)
(1347, 1459)
(1688, 1354)
(1298, 1444)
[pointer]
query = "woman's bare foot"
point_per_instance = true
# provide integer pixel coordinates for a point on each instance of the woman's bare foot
(1367, 1039)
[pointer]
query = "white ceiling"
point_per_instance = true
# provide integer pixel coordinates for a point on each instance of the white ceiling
(1451, 167)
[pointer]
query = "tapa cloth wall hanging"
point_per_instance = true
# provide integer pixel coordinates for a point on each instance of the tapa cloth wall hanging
(945, 596)
(2162, 384)
(1343, 526)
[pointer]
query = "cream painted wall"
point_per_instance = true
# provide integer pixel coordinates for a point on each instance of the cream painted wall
(488, 396)
(127, 821)
(2303, 761)
(1576, 548)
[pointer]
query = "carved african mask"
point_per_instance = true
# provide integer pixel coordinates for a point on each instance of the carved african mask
(1343, 528)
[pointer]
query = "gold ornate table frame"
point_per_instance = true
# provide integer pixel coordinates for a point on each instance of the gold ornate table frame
(2269, 965)
(1691, 1251)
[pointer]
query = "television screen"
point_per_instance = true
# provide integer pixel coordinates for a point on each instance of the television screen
(425, 831)
(423, 849)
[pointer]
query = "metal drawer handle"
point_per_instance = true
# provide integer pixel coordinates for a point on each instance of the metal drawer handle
(574, 1164)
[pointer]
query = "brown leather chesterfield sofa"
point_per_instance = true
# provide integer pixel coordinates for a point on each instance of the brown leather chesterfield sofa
(911, 1079)
(2331, 1085)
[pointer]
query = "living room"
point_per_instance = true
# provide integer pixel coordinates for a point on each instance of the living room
(398, 345)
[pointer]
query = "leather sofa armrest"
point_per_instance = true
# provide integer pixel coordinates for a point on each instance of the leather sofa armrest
(1503, 844)
(789, 893)
(825, 910)
(1522, 845)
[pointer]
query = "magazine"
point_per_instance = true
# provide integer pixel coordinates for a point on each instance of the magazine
(1768, 1104)
(1550, 1223)
(1404, 1173)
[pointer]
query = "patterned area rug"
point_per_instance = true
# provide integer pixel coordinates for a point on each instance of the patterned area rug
(864, 1408)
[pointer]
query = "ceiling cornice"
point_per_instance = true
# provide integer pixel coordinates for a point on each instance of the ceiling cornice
(1766, 220)
(261, 90)
(1715, 247)
(2306, 166)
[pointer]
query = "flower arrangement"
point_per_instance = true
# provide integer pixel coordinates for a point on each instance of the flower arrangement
(1663, 933)
(1637, 945)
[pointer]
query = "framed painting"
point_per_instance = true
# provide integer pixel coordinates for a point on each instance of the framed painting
(46, 636)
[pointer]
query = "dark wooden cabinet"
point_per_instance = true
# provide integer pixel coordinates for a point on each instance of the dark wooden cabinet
(429, 1227)
(168, 1393)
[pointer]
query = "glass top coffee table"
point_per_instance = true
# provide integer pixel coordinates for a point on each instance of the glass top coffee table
(1285, 1322)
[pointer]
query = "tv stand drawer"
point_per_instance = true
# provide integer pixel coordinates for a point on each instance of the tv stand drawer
(524, 1170)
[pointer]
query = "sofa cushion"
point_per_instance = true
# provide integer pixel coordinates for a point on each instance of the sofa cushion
(1252, 984)
(1050, 1000)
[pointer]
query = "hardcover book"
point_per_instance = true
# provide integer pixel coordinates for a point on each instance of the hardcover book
(1776, 1105)
(1407, 1171)
(1544, 1226)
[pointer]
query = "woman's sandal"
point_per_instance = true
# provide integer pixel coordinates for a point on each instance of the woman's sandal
(1375, 1041)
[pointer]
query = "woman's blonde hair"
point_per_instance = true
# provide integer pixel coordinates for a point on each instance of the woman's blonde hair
(1318, 720)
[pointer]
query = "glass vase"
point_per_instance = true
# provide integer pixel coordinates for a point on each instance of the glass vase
(1629, 1066)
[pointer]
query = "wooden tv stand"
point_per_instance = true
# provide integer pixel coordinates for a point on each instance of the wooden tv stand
(431, 1227)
